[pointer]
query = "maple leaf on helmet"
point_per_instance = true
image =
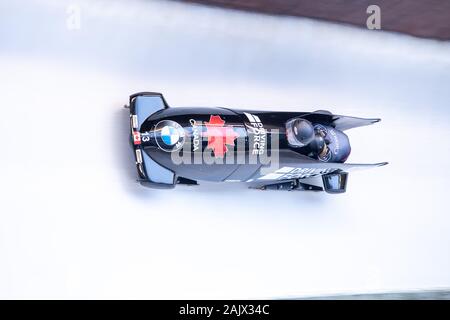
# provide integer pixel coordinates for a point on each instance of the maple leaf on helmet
(219, 136)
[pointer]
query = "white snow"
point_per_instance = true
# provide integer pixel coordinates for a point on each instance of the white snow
(75, 224)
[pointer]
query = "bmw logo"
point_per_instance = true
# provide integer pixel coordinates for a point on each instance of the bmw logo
(169, 135)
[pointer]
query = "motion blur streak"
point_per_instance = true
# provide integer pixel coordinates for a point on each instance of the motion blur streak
(75, 224)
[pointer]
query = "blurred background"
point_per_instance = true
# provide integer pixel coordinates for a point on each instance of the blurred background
(427, 19)
(75, 224)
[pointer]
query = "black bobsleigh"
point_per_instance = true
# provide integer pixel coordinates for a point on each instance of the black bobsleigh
(266, 150)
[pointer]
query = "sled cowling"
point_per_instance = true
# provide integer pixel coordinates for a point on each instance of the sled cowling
(151, 173)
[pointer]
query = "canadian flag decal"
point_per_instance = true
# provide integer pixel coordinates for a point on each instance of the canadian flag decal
(136, 137)
(219, 136)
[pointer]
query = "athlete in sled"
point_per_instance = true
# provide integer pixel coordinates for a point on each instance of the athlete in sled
(266, 150)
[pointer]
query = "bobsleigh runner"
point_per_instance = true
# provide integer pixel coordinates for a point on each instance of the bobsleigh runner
(267, 150)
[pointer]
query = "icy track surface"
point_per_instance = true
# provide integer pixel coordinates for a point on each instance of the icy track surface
(75, 224)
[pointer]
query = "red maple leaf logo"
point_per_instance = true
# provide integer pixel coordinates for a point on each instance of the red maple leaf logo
(219, 136)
